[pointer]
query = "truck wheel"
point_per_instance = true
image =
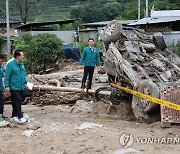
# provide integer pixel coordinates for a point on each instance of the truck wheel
(159, 41)
(148, 88)
(115, 29)
(101, 89)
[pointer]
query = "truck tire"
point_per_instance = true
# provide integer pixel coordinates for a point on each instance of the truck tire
(101, 89)
(116, 33)
(158, 39)
(148, 88)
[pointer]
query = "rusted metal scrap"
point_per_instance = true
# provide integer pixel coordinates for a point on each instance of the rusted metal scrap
(140, 62)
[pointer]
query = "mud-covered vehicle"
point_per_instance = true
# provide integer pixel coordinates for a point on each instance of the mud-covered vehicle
(140, 62)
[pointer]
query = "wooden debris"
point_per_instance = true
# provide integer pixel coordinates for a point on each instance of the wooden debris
(67, 89)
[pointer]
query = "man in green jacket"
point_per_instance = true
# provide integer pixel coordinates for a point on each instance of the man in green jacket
(89, 58)
(15, 81)
(3, 123)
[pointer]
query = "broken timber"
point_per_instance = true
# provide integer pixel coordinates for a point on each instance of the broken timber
(67, 89)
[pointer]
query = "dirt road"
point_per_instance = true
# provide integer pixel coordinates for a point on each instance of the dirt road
(85, 128)
(57, 130)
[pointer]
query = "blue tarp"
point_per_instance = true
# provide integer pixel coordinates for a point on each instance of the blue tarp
(71, 52)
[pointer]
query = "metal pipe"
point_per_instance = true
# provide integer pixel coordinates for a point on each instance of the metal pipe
(146, 8)
(8, 31)
(139, 9)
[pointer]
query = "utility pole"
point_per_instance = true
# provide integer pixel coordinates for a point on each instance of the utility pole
(8, 32)
(139, 9)
(146, 8)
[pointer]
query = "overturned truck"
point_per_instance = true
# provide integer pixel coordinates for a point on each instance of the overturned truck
(140, 62)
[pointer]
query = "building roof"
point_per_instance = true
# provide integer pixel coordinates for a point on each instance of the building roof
(165, 13)
(104, 23)
(38, 24)
(11, 21)
(155, 20)
(87, 30)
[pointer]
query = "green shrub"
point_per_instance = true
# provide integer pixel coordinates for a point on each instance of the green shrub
(39, 50)
(176, 48)
(81, 45)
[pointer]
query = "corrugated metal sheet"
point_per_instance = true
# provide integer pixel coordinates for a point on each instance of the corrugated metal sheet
(154, 20)
(104, 23)
(38, 24)
(171, 37)
(85, 35)
(11, 21)
(66, 36)
(165, 13)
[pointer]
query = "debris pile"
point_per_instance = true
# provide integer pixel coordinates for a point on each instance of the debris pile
(140, 62)
(60, 88)
(43, 98)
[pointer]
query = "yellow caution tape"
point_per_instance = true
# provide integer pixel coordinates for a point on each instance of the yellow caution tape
(147, 97)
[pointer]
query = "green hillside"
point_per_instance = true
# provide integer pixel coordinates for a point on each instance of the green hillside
(88, 10)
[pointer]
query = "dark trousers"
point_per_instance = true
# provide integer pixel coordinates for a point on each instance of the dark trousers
(18, 97)
(1, 102)
(88, 72)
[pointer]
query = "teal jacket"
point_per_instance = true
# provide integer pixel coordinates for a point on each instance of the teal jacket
(1, 76)
(90, 57)
(15, 75)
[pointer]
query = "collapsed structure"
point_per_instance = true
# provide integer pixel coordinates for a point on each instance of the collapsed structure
(140, 62)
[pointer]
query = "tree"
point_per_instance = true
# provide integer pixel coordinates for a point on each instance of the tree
(97, 10)
(2, 12)
(24, 8)
(111, 10)
(40, 51)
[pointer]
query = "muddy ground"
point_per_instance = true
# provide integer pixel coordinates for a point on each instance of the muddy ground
(84, 127)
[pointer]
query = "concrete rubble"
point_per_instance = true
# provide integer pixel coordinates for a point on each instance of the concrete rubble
(28, 133)
(87, 126)
(127, 151)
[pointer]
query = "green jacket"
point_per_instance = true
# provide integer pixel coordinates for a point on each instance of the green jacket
(90, 57)
(15, 75)
(1, 76)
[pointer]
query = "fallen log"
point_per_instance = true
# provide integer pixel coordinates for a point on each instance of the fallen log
(67, 89)
(39, 80)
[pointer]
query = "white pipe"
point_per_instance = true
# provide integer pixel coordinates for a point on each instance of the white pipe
(139, 9)
(8, 31)
(146, 8)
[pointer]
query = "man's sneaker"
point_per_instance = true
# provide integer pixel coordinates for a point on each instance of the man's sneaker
(14, 119)
(22, 121)
(25, 116)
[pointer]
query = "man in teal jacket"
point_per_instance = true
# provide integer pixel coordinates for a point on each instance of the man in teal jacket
(15, 81)
(89, 58)
(2, 121)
